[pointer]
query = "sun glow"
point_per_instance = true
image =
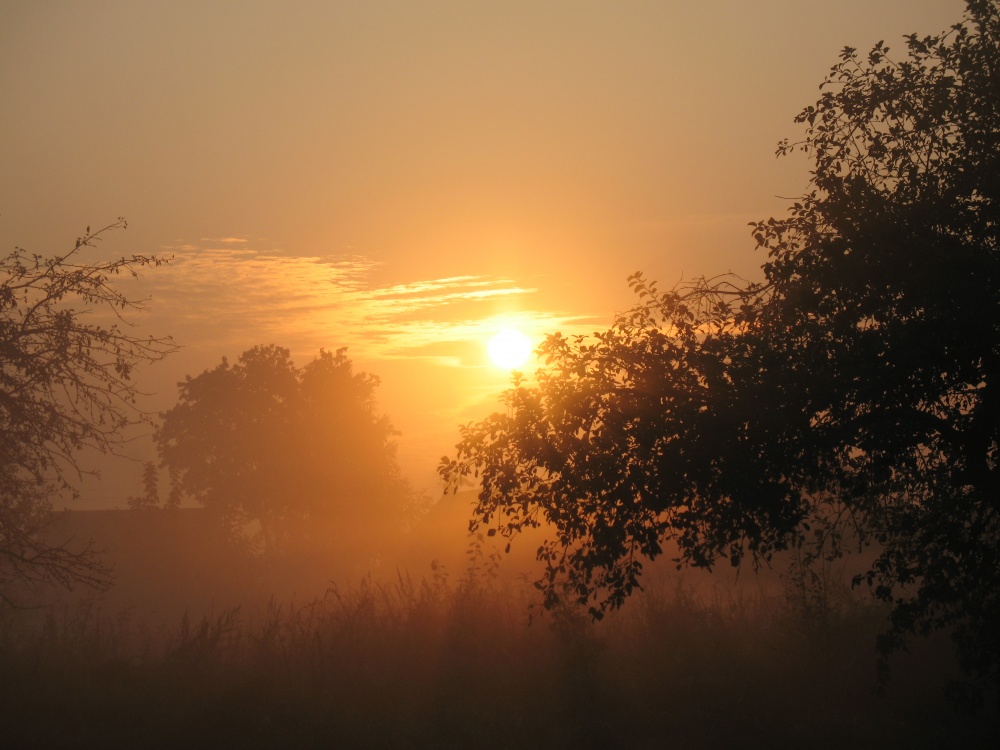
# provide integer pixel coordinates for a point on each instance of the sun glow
(509, 349)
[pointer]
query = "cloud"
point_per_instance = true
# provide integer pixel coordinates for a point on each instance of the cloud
(425, 337)
(236, 296)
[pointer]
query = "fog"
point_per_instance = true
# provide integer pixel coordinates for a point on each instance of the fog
(428, 637)
(227, 517)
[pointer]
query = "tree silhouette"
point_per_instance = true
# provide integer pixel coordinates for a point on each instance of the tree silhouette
(302, 452)
(150, 497)
(849, 396)
(65, 384)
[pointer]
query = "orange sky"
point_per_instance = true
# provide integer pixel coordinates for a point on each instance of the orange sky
(403, 178)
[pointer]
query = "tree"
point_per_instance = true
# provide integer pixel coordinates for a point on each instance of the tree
(852, 395)
(301, 452)
(150, 497)
(65, 385)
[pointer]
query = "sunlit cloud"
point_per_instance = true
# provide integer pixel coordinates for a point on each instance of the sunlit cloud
(218, 296)
(426, 337)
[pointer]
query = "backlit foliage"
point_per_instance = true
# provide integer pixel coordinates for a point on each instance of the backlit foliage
(302, 452)
(65, 384)
(850, 397)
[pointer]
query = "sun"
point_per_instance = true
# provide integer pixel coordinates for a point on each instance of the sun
(509, 349)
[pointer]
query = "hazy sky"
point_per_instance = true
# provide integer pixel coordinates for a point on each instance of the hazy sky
(403, 178)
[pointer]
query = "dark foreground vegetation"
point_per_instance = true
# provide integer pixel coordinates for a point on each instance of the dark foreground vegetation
(847, 397)
(455, 664)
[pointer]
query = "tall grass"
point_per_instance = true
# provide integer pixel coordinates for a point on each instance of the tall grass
(438, 663)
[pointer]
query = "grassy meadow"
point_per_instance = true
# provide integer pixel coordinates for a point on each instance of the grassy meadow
(458, 658)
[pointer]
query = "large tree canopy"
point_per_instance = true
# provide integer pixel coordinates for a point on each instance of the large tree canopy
(65, 384)
(851, 394)
(303, 452)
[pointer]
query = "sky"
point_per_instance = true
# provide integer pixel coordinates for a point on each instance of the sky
(406, 178)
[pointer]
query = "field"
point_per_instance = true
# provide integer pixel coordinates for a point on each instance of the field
(459, 659)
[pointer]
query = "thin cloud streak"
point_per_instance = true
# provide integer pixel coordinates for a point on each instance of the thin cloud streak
(214, 296)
